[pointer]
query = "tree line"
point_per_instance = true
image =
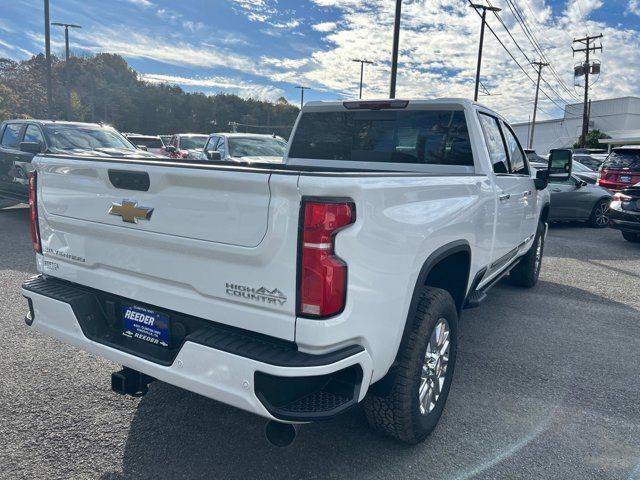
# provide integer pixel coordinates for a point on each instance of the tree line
(103, 88)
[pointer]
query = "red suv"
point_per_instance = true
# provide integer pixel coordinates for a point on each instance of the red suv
(621, 169)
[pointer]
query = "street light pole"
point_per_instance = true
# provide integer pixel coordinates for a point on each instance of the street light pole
(394, 54)
(302, 89)
(484, 9)
(66, 35)
(362, 62)
(47, 50)
(66, 61)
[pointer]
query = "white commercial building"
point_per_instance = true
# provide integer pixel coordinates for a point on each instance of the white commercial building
(617, 117)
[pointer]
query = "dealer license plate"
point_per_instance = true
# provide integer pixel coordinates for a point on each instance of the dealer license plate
(145, 325)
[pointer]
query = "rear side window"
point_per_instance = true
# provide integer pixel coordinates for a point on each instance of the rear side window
(147, 142)
(432, 137)
(495, 144)
(623, 159)
(516, 155)
(33, 134)
(11, 136)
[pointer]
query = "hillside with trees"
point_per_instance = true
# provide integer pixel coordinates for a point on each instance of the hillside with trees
(103, 88)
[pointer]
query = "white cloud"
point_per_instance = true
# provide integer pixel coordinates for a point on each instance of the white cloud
(634, 7)
(438, 49)
(325, 27)
(218, 84)
(141, 3)
(267, 11)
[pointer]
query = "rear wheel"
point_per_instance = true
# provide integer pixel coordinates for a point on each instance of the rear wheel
(599, 217)
(631, 237)
(526, 273)
(413, 403)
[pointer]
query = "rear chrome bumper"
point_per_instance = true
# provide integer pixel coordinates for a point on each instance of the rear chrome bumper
(270, 378)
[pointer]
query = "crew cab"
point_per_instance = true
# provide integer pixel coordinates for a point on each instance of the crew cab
(296, 290)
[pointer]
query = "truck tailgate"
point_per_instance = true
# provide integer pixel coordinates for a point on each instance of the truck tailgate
(215, 243)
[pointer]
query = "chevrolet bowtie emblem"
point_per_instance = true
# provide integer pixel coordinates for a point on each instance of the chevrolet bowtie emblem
(130, 211)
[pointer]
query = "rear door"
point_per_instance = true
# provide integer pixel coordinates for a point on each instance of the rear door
(22, 163)
(508, 235)
(527, 194)
(9, 154)
(216, 243)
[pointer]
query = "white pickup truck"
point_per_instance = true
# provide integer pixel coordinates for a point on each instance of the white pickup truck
(295, 290)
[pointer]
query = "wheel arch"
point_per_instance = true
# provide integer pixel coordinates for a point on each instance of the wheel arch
(448, 268)
(544, 214)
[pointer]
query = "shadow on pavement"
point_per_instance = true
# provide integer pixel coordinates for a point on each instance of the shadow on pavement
(504, 405)
(15, 240)
(603, 244)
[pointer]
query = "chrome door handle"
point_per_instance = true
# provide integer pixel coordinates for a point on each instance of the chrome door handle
(527, 193)
(504, 196)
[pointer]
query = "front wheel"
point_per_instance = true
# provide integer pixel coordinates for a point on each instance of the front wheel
(526, 273)
(599, 217)
(631, 237)
(411, 406)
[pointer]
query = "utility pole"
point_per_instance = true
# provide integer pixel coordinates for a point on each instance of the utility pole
(47, 50)
(66, 61)
(484, 9)
(586, 68)
(362, 62)
(540, 65)
(394, 54)
(302, 89)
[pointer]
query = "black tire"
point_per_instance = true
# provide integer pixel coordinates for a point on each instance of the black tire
(599, 217)
(526, 273)
(631, 237)
(397, 412)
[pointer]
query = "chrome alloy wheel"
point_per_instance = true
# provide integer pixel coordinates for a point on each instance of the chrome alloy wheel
(434, 367)
(602, 214)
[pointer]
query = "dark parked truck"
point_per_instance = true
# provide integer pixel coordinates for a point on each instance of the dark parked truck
(21, 140)
(296, 290)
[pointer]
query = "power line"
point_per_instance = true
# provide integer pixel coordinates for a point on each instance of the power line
(554, 91)
(524, 25)
(516, 61)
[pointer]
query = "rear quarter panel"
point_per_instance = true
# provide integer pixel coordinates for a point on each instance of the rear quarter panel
(400, 221)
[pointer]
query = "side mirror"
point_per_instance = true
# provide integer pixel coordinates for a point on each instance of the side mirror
(213, 155)
(142, 147)
(542, 179)
(31, 147)
(170, 149)
(560, 164)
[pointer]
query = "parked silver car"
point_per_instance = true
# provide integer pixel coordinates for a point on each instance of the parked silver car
(244, 147)
(577, 200)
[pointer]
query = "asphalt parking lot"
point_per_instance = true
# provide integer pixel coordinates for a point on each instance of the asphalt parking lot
(546, 386)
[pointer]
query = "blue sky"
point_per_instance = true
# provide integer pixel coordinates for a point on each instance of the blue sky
(264, 48)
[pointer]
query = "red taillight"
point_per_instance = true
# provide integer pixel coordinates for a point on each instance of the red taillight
(33, 213)
(323, 275)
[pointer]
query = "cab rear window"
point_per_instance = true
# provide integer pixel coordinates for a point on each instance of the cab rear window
(433, 137)
(623, 159)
